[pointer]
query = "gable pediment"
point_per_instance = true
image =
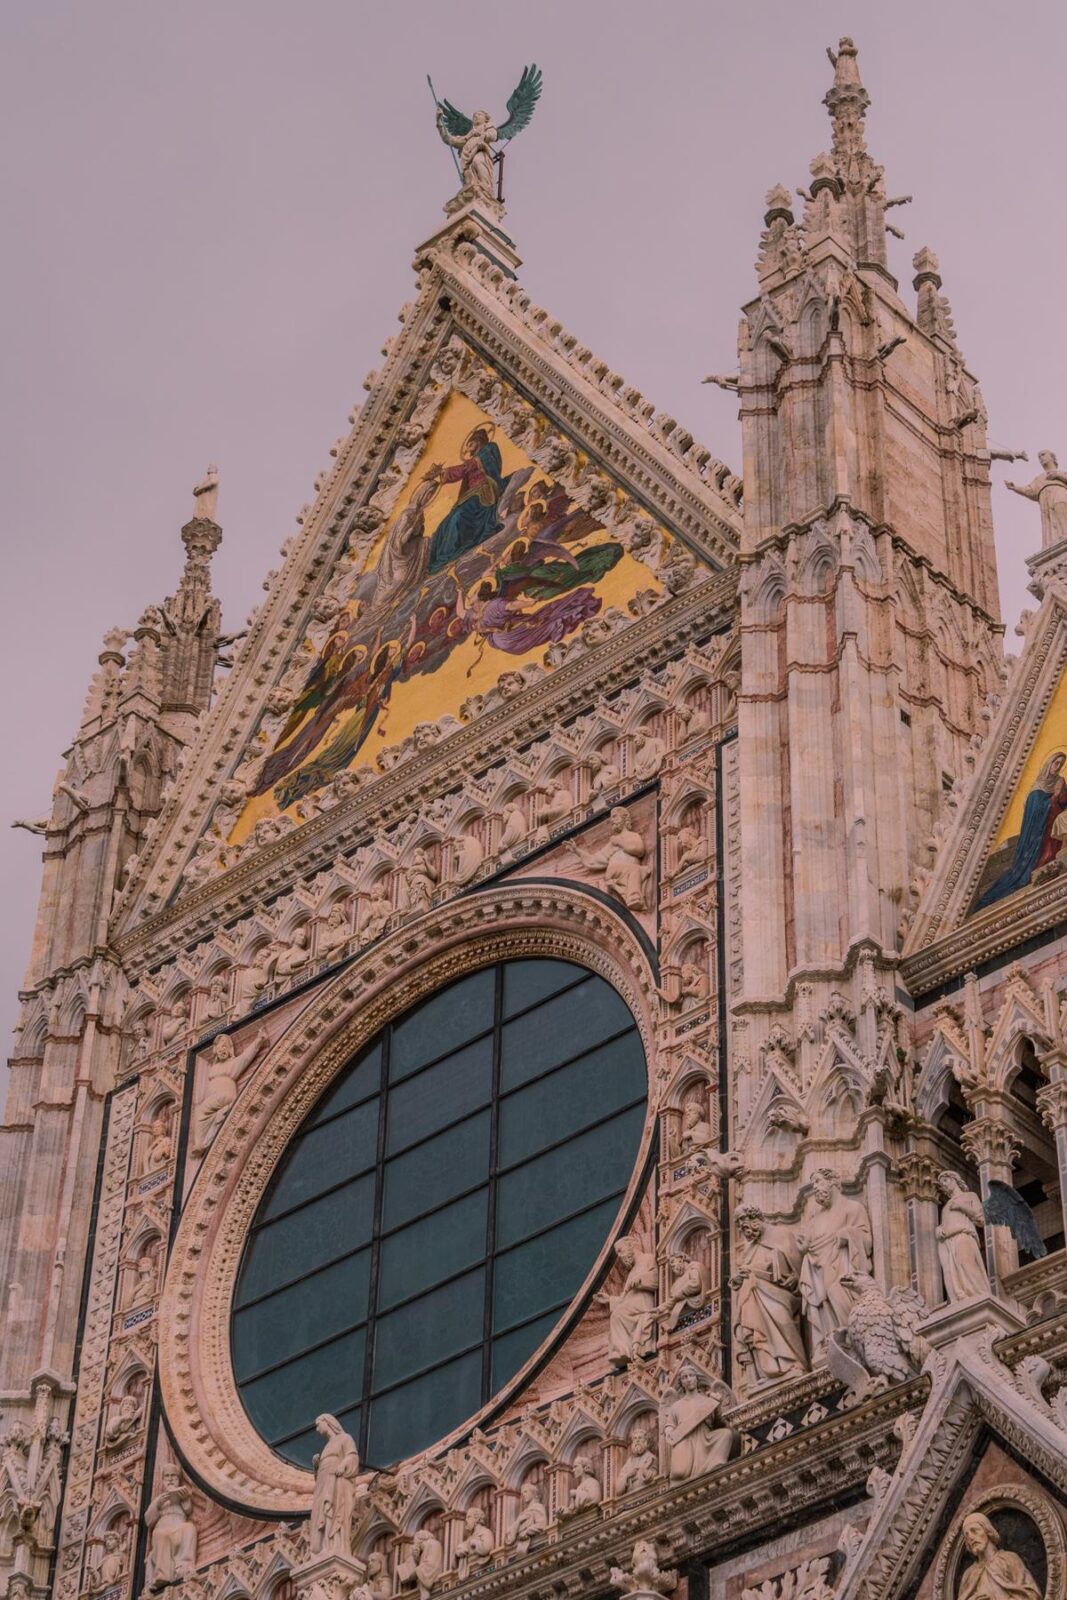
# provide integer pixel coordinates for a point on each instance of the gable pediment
(1000, 872)
(503, 507)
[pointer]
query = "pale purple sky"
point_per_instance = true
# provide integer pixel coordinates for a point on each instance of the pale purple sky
(212, 207)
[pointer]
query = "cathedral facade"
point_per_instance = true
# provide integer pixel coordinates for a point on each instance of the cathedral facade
(563, 756)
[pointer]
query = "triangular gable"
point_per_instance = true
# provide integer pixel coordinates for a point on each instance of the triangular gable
(472, 350)
(997, 865)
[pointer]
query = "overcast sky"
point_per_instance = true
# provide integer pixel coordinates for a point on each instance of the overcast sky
(211, 212)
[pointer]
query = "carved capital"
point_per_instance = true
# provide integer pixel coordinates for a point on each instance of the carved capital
(918, 1176)
(987, 1140)
(1052, 1104)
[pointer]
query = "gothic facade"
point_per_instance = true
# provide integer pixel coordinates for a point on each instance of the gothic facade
(543, 1068)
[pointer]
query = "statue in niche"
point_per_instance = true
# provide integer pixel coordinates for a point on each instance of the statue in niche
(642, 1463)
(633, 1309)
(691, 850)
(334, 933)
(694, 984)
(557, 801)
(621, 860)
(692, 1431)
(475, 1549)
(695, 1130)
(474, 137)
(112, 1563)
(157, 1145)
(171, 1552)
(686, 1293)
(834, 1240)
(224, 1068)
(145, 1276)
(649, 754)
(531, 1520)
(959, 1249)
(766, 1301)
(469, 855)
(423, 1566)
(290, 958)
(1049, 489)
(217, 1000)
(124, 1419)
(175, 1020)
(513, 826)
(587, 1491)
(994, 1574)
(334, 1501)
(606, 774)
(377, 1585)
(418, 881)
(379, 910)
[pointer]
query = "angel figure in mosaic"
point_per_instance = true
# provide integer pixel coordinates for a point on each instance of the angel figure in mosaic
(473, 138)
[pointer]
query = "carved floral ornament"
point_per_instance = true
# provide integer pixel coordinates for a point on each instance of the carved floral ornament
(950, 1565)
(204, 1411)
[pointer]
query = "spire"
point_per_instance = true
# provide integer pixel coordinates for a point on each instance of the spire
(933, 313)
(861, 179)
(191, 617)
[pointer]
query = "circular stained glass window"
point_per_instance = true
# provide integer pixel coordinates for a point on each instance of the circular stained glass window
(438, 1210)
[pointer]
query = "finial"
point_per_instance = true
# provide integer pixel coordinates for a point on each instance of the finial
(206, 495)
(472, 139)
(927, 268)
(847, 100)
(845, 62)
(779, 204)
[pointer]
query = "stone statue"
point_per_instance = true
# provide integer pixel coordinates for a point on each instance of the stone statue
(175, 1020)
(157, 1145)
(291, 958)
(217, 1001)
(469, 855)
(621, 860)
(378, 911)
(558, 802)
(995, 1574)
(206, 495)
(687, 1291)
(334, 1501)
(587, 1491)
(513, 826)
(112, 1563)
(834, 1240)
(377, 1585)
(475, 1549)
(606, 774)
(695, 1130)
(880, 1343)
(423, 1566)
(474, 137)
(694, 1443)
(649, 754)
(418, 881)
(642, 1463)
(123, 1420)
(171, 1552)
(224, 1068)
(694, 983)
(334, 933)
(959, 1250)
(633, 1309)
(691, 849)
(1049, 489)
(766, 1301)
(531, 1520)
(645, 1576)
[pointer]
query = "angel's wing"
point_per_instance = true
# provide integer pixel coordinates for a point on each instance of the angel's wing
(1005, 1207)
(521, 104)
(457, 122)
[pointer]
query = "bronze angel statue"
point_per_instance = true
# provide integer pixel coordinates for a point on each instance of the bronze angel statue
(474, 137)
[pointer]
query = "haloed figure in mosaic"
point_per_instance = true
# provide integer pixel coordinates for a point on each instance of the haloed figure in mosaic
(1038, 839)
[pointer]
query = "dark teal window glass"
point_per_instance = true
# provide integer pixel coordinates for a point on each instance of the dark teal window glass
(438, 1210)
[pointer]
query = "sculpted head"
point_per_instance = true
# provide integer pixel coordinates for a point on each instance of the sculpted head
(688, 1380)
(1048, 460)
(950, 1183)
(222, 1049)
(475, 1517)
(171, 1477)
(641, 1440)
(825, 1185)
(620, 819)
(626, 1251)
(979, 1534)
(750, 1222)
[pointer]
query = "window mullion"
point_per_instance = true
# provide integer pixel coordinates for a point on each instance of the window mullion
(490, 1207)
(375, 1245)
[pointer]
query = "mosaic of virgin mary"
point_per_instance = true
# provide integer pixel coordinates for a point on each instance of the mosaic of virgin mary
(1041, 835)
(484, 562)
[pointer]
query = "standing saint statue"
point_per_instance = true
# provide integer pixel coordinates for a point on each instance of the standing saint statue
(171, 1533)
(958, 1247)
(334, 1501)
(766, 1301)
(1049, 489)
(834, 1240)
(632, 1310)
(474, 137)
